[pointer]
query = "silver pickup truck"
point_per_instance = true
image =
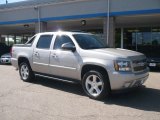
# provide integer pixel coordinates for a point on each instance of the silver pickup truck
(82, 57)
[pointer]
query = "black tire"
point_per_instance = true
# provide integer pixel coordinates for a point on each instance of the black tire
(94, 86)
(26, 72)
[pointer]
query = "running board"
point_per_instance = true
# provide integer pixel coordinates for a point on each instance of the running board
(58, 79)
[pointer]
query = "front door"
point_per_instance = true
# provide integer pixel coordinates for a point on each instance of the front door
(63, 62)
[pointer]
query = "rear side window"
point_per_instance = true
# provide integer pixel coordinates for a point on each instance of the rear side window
(44, 41)
(60, 40)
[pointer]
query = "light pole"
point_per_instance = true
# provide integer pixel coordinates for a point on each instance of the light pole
(38, 15)
(39, 24)
(108, 13)
(6, 1)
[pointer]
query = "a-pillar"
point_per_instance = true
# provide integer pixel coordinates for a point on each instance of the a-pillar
(40, 27)
(111, 29)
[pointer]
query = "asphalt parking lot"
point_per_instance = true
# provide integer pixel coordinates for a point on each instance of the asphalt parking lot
(46, 99)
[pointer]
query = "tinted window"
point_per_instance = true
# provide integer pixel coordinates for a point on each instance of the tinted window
(60, 40)
(44, 41)
(86, 41)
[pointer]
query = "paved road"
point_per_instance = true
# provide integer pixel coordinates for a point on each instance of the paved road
(52, 100)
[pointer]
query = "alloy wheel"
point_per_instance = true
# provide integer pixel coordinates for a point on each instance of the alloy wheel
(94, 85)
(24, 72)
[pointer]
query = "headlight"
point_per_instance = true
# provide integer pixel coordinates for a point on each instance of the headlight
(121, 65)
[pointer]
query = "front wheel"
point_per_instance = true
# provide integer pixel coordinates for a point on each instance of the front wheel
(96, 84)
(26, 72)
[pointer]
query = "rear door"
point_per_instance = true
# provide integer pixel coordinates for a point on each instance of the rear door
(41, 54)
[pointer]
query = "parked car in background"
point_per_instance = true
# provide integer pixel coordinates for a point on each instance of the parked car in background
(153, 62)
(152, 53)
(6, 58)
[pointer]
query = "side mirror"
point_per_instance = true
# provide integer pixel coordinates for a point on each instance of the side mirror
(68, 46)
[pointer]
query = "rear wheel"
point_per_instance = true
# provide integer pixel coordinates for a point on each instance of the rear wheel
(26, 72)
(96, 84)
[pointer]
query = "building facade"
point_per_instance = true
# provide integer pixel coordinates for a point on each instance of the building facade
(130, 24)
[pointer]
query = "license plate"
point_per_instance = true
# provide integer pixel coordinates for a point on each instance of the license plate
(152, 64)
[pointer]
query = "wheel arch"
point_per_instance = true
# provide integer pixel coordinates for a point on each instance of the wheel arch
(88, 67)
(22, 59)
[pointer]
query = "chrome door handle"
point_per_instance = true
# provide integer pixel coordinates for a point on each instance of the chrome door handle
(54, 55)
(36, 54)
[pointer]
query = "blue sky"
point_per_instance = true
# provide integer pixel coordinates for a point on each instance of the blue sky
(9, 1)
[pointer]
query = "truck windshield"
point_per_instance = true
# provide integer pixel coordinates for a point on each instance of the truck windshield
(89, 41)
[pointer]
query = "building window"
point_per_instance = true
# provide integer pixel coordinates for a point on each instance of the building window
(156, 36)
(143, 39)
(9, 40)
(118, 38)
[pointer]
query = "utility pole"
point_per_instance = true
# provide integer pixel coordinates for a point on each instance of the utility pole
(6, 1)
(37, 8)
(108, 15)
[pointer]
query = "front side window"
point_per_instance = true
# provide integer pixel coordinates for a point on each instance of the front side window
(60, 40)
(89, 41)
(44, 41)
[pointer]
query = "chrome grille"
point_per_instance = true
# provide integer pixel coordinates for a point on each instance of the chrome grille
(139, 65)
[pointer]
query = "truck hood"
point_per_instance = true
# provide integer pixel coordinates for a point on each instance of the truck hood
(114, 53)
(122, 53)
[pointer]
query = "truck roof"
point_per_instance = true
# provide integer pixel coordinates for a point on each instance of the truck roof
(63, 32)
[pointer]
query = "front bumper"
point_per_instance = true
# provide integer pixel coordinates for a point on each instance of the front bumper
(123, 80)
